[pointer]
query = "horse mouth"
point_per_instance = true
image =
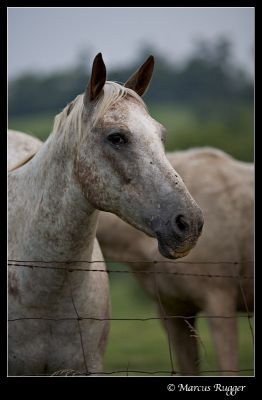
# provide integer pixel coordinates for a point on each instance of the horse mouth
(171, 253)
(171, 248)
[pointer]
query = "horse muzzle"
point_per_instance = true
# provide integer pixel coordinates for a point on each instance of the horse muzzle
(178, 235)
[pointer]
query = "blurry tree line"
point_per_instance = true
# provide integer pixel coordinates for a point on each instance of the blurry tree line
(207, 82)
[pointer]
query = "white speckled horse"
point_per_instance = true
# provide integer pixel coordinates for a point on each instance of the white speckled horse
(105, 153)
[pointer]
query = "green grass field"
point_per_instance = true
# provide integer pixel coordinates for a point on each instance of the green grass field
(185, 129)
(35, 125)
(142, 345)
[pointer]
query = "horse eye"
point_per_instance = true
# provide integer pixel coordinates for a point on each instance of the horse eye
(117, 139)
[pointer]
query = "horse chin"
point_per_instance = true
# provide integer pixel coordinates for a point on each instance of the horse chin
(168, 252)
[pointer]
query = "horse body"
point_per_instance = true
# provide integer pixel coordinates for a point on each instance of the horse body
(43, 227)
(20, 149)
(104, 153)
(224, 189)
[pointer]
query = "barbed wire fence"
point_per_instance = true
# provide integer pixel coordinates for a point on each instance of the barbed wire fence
(164, 317)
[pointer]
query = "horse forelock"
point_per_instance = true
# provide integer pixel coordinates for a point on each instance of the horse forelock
(71, 116)
(112, 93)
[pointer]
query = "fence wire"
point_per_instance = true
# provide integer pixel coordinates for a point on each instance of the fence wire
(32, 264)
(16, 263)
(136, 371)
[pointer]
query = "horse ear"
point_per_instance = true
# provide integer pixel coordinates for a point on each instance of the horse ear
(98, 78)
(139, 81)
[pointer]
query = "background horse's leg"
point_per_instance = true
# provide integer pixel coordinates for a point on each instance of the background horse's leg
(224, 330)
(184, 342)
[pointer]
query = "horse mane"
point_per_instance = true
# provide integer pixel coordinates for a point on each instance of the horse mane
(71, 116)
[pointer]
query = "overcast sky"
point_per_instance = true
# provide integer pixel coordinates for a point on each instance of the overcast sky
(44, 39)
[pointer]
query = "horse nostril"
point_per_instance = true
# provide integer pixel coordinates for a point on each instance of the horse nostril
(181, 223)
(200, 224)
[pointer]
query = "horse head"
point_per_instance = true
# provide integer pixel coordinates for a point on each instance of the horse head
(121, 163)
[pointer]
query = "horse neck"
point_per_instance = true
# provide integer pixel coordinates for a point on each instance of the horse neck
(59, 223)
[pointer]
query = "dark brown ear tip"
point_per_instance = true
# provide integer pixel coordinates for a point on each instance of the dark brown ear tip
(98, 57)
(151, 59)
(99, 62)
